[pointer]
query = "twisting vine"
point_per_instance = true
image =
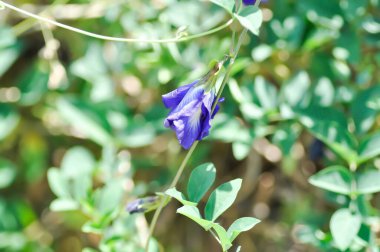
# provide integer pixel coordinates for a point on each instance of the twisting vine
(116, 39)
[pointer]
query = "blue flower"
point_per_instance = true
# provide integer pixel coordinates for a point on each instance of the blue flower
(251, 2)
(190, 108)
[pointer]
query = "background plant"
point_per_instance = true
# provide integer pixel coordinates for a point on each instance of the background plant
(311, 74)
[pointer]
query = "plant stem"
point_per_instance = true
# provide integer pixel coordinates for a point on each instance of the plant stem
(188, 155)
(117, 39)
(164, 200)
(26, 24)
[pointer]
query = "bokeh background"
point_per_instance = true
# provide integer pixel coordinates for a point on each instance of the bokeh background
(81, 119)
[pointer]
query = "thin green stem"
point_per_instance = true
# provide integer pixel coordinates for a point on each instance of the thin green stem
(165, 199)
(117, 39)
(257, 3)
(26, 24)
(184, 162)
(229, 68)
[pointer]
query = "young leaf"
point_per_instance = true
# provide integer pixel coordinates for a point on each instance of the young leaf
(221, 199)
(266, 93)
(368, 182)
(58, 183)
(240, 150)
(200, 181)
(172, 192)
(64, 204)
(226, 4)
(223, 237)
(369, 148)
(77, 161)
(335, 179)
(344, 227)
(295, 89)
(241, 225)
(251, 18)
(192, 212)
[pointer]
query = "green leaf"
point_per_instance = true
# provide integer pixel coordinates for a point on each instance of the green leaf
(9, 48)
(368, 182)
(63, 204)
(364, 116)
(337, 138)
(369, 148)
(344, 227)
(266, 93)
(7, 173)
(86, 119)
(241, 225)
(58, 183)
(240, 150)
(335, 179)
(200, 181)
(9, 120)
(172, 192)
(295, 90)
(107, 199)
(221, 199)
(223, 237)
(251, 18)
(285, 137)
(77, 161)
(226, 4)
(192, 212)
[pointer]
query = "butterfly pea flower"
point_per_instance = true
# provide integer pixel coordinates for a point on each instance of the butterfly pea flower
(191, 108)
(251, 2)
(143, 205)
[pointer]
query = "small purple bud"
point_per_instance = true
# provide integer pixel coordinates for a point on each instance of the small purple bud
(141, 205)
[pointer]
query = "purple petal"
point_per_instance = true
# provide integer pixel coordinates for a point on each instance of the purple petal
(185, 118)
(173, 98)
(252, 2)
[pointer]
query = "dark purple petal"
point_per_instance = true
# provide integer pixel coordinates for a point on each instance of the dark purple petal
(135, 207)
(185, 118)
(190, 117)
(141, 205)
(207, 103)
(252, 2)
(173, 98)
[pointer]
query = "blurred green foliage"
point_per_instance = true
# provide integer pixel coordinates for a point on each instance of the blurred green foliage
(81, 125)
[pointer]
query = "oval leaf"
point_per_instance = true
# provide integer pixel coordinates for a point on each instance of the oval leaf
(200, 181)
(226, 4)
(241, 225)
(221, 199)
(251, 18)
(368, 182)
(369, 148)
(172, 192)
(344, 227)
(335, 179)
(192, 212)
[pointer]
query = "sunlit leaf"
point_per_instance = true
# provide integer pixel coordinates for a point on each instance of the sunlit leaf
(241, 225)
(368, 182)
(172, 192)
(221, 199)
(335, 179)
(192, 212)
(200, 181)
(251, 18)
(369, 148)
(344, 227)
